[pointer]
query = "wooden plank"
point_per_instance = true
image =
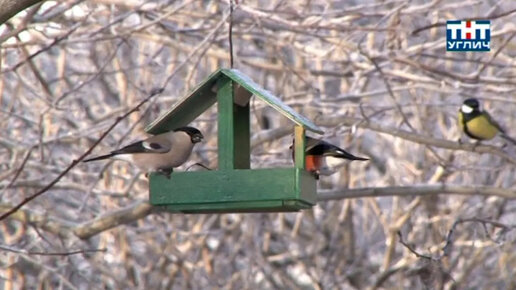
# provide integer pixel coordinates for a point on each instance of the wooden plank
(241, 207)
(242, 95)
(271, 100)
(306, 186)
(204, 96)
(208, 188)
(299, 146)
(189, 107)
(226, 123)
(242, 137)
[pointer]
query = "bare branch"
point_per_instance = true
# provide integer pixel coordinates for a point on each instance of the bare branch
(36, 253)
(415, 190)
(412, 250)
(414, 137)
(127, 215)
(76, 161)
(9, 8)
(88, 229)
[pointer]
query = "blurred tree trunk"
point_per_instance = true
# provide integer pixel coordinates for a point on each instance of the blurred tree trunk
(9, 8)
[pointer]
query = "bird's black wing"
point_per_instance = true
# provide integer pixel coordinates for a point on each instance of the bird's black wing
(499, 127)
(311, 143)
(493, 122)
(329, 150)
(143, 147)
(136, 147)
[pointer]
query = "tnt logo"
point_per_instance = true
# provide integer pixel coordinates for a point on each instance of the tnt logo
(468, 35)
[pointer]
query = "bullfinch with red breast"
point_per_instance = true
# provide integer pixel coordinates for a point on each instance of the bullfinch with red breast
(317, 149)
(161, 153)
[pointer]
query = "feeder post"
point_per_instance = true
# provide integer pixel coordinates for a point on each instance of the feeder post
(234, 148)
(299, 143)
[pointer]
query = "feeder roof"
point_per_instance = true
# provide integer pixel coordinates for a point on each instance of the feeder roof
(205, 95)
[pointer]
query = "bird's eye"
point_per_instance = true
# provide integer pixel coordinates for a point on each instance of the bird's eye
(155, 146)
(196, 138)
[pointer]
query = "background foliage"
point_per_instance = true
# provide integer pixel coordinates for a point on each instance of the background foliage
(374, 74)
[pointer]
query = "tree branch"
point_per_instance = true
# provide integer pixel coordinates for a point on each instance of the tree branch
(110, 220)
(86, 230)
(142, 208)
(52, 225)
(37, 253)
(78, 160)
(9, 8)
(414, 137)
(414, 190)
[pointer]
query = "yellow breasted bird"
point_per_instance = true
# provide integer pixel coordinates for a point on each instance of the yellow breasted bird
(478, 124)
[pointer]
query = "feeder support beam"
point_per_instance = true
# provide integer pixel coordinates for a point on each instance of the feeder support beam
(233, 129)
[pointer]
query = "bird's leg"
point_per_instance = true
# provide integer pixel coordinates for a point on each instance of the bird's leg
(166, 172)
(203, 166)
(477, 143)
(199, 164)
(315, 173)
(459, 141)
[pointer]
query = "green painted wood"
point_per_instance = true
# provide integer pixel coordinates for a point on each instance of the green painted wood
(223, 186)
(234, 187)
(204, 96)
(242, 136)
(299, 146)
(240, 190)
(188, 108)
(234, 135)
(240, 207)
(270, 99)
(226, 124)
(306, 186)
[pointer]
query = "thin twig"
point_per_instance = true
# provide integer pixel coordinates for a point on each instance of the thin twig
(19, 170)
(49, 46)
(415, 137)
(449, 237)
(414, 190)
(412, 250)
(438, 24)
(494, 55)
(230, 36)
(76, 161)
(37, 253)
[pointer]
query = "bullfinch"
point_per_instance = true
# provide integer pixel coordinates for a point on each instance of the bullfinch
(317, 149)
(161, 153)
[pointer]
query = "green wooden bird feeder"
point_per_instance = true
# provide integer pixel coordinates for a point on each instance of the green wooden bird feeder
(233, 187)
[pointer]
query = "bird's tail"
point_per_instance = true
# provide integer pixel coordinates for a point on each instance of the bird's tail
(101, 157)
(339, 153)
(508, 138)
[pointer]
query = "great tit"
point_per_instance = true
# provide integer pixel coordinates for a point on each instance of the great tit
(478, 124)
(161, 153)
(317, 149)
